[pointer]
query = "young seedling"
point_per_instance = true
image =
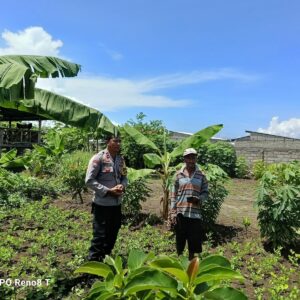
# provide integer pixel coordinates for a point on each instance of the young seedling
(246, 223)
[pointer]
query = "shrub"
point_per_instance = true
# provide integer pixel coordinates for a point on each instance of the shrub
(154, 130)
(258, 169)
(74, 138)
(242, 169)
(16, 188)
(217, 193)
(162, 277)
(72, 170)
(278, 203)
(135, 193)
(221, 154)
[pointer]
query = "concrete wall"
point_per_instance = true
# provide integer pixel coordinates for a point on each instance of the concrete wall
(268, 148)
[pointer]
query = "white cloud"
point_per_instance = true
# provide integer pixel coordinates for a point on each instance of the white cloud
(107, 94)
(115, 55)
(32, 40)
(104, 93)
(288, 128)
(196, 77)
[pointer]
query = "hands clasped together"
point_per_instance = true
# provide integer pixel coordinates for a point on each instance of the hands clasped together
(117, 190)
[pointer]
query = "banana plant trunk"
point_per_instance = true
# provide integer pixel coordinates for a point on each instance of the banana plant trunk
(165, 203)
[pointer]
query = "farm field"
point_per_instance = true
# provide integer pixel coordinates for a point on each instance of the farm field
(48, 240)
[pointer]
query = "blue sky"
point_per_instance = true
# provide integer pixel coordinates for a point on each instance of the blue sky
(190, 63)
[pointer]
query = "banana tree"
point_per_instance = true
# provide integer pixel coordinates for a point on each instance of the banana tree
(18, 73)
(161, 160)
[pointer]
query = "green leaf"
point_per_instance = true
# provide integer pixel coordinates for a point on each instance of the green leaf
(95, 268)
(18, 73)
(216, 260)
(196, 139)
(140, 138)
(216, 274)
(116, 263)
(43, 66)
(8, 156)
(10, 160)
(171, 266)
(133, 174)
(136, 259)
(151, 160)
(150, 279)
(118, 281)
(97, 288)
(105, 296)
(225, 293)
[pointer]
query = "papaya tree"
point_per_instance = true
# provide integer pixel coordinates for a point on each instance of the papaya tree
(161, 160)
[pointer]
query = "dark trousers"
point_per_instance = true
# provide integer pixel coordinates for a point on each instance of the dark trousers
(106, 225)
(189, 230)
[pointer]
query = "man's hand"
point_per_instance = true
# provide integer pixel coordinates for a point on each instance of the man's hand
(116, 190)
(172, 218)
(120, 187)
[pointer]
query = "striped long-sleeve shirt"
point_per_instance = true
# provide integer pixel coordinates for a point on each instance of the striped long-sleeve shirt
(185, 187)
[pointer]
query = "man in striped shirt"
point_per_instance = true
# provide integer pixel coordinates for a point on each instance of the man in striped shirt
(189, 191)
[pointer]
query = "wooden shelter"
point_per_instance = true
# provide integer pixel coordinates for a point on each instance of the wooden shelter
(21, 136)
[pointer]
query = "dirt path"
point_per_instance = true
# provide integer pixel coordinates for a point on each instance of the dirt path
(239, 203)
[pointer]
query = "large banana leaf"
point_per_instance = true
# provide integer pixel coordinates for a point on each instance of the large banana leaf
(13, 79)
(133, 174)
(139, 138)
(43, 66)
(63, 109)
(152, 159)
(18, 73)
(196, 139)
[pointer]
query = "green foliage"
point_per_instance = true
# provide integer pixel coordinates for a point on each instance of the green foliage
(242, 169)
(258, 169)
(217, 192)
(74, 138)
(162, 277)
(43, 158)
(17, 188)
(221, 154)
(246, 223)
(265, 270)
(42, 241)
(135, 193)
(10, 160)
(163, 159)
(45, 240)
(147, 238)
(133, 151)
(278, 201)
(71, 172)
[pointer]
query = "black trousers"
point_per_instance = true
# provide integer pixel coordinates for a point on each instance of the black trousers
(106, 225)
(189, 230)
